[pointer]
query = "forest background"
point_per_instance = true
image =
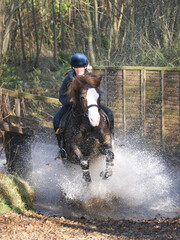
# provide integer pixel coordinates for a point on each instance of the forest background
(38, 38)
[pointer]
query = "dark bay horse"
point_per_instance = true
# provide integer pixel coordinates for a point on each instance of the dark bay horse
(87, 132)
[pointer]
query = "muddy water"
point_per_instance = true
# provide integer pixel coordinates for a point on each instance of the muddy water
(142, 186)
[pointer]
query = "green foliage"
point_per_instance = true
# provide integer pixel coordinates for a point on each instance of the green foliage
(9, 78)
(64, 58)
(172, 55)
(66, 5)
(145, 54)
(105, 42)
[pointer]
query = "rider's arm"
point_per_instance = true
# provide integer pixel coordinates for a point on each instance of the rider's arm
(63, 98)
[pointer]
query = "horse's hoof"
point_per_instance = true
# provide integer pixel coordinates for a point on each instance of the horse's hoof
(106, 174)
(101, 174)
(86, 176)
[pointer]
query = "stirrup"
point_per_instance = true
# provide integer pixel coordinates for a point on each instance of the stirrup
(62, 154)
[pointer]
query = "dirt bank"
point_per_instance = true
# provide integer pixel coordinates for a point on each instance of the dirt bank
(34, 226)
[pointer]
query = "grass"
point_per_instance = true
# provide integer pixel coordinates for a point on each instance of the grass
(15, 194)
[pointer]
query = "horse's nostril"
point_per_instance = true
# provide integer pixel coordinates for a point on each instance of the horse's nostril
(94, 122)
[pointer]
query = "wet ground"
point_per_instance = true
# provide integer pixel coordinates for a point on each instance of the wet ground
(142, 186)
(32, 226)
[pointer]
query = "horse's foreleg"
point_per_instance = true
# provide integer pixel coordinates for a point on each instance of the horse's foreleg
(109, 162)
(83, 163)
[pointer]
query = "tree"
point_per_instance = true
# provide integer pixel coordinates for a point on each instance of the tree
(54, 32)
(36, 35)
(90, 35)
(22, 37)
(2, 15)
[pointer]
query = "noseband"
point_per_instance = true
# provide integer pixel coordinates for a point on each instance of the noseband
(92, 105)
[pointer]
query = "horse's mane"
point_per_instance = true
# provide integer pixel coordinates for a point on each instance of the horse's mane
(89, 80)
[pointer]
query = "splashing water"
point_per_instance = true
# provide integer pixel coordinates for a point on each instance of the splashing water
(141, 186)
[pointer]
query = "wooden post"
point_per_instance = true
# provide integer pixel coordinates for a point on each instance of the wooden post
(17, 107)
(124, 100)
(162, 109)
(143, 100)
(106, 80)
(104, 88)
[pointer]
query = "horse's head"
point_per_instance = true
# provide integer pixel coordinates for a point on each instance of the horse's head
(84, 91)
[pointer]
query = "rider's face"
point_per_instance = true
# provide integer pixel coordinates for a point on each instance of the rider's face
(79, 71)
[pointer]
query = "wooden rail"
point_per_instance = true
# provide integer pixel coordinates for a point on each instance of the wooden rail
(19, 95)
(137, 68)
(12, 123)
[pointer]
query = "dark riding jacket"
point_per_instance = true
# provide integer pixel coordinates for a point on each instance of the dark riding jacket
(63, 97)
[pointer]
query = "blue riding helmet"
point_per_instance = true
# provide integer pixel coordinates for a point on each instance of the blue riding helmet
(79, 60)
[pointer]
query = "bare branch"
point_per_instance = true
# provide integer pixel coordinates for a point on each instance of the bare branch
(14, 10)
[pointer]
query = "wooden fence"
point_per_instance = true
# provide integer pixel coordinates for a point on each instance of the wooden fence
(145, 102)
(12, 106)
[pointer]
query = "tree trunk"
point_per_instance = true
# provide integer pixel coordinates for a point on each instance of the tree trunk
(6, 35)
(54, 33)
(75, 24)
(62, 25)
(111, 32)
(97, 28)
(82, 28)
(22, 37)
(117, 23)
(2, 13)
(90, 35)
(36, 35)
(176, 31)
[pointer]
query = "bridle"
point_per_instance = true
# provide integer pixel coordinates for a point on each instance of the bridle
(82, 102)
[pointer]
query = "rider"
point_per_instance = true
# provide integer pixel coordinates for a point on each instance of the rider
(79, 63)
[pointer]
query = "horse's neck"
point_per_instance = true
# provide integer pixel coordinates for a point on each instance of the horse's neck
(78, 110)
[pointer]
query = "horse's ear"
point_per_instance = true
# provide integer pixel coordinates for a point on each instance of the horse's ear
(99, 79)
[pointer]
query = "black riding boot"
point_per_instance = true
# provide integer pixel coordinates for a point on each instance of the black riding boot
(111, 121)
(62, 152)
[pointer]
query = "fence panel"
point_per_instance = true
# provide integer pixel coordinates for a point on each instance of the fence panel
(145, 102)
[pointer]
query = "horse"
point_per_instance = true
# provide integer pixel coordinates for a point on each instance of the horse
(87, 129)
